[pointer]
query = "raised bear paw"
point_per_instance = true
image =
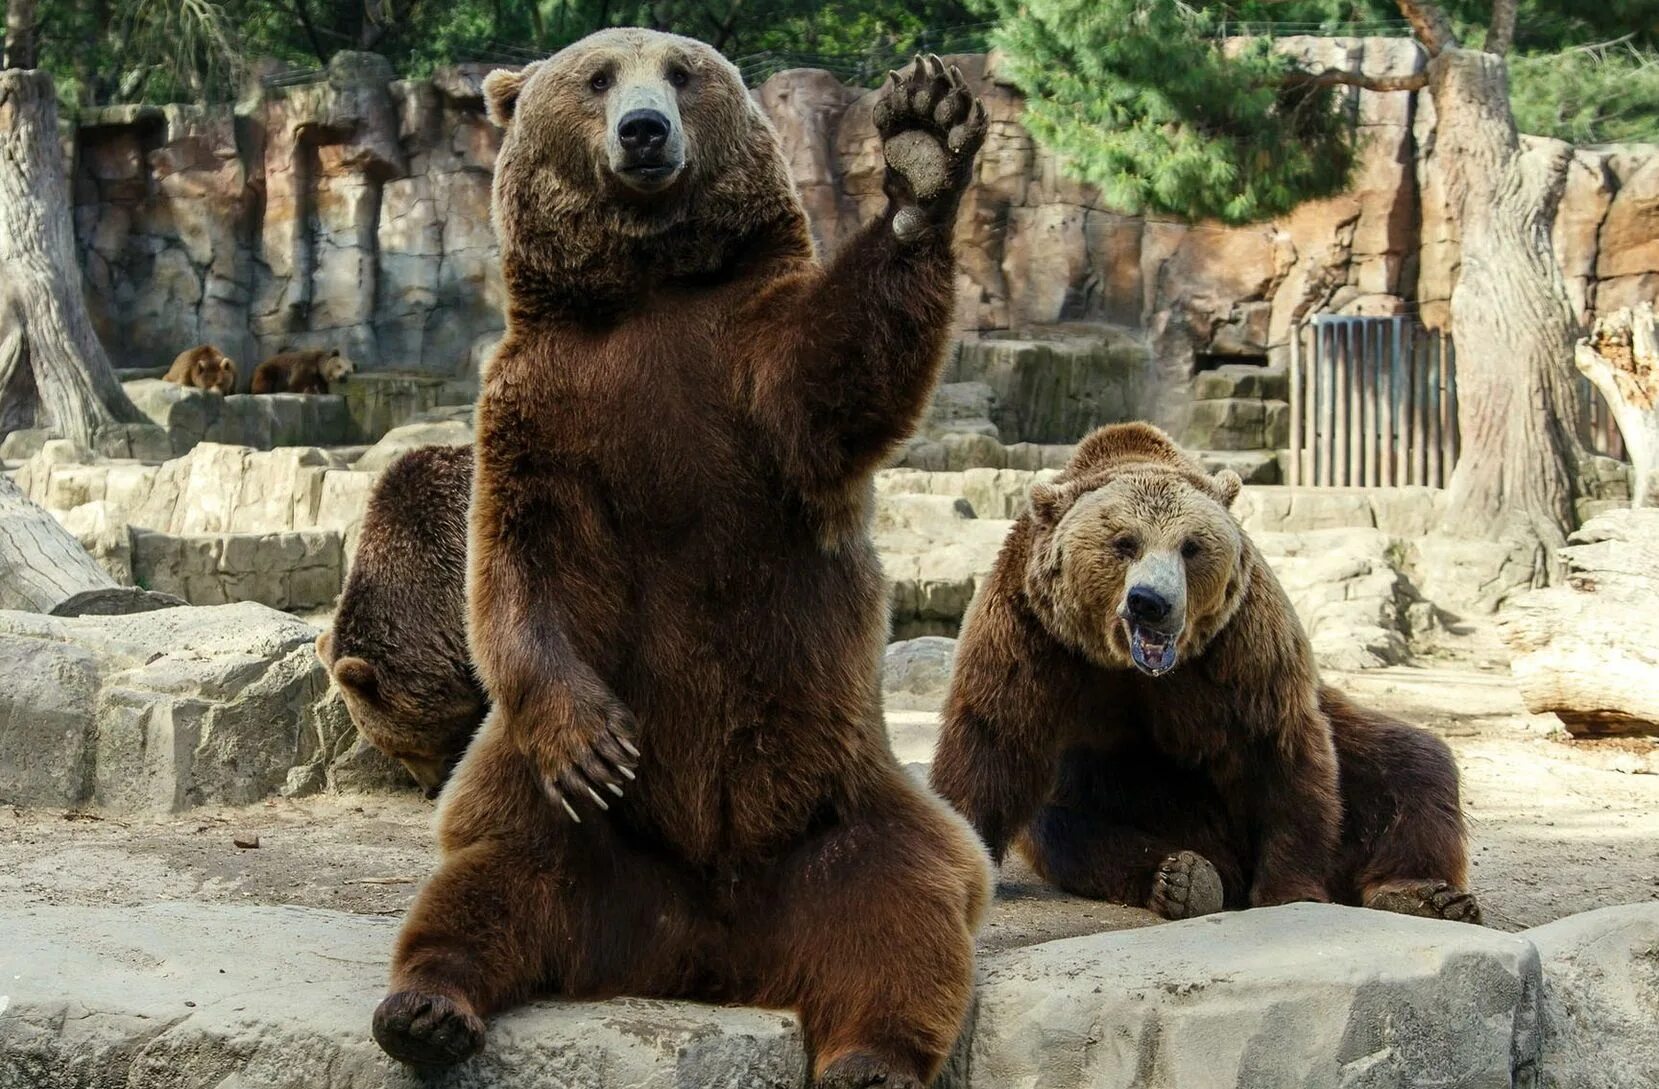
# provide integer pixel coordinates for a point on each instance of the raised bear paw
(861, 1070)
(587, 758)
(930, 126)
(1185, 886)
(1429, 899)
(426, 1029)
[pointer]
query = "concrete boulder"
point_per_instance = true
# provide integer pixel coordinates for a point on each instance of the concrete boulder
(400, 440)
(159, 711)
(1601, 998)
(915, 673)
(176, 996)
(1305, 995)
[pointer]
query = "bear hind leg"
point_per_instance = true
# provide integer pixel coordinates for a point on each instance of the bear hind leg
(871, 940)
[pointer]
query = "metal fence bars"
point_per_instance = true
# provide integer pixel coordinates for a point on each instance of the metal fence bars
(1373, 403)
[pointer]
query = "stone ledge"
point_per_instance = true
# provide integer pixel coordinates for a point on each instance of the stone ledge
(184, 995)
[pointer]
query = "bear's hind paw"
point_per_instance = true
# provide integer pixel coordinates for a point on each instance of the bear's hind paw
(1185, 887)
(1428, 899)
(426, 1029)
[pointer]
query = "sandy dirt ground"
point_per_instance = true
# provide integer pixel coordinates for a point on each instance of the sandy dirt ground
(1556, 826)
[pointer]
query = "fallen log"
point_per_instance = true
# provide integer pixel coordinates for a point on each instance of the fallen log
(44, 569)
(1620, 357)
(1588, 650)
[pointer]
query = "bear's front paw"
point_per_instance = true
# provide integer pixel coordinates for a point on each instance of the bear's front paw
(930, 126)
(1185, 887)
(427, 1030)
(589, 756)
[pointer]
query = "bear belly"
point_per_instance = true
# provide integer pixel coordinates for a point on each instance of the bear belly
(757, 702)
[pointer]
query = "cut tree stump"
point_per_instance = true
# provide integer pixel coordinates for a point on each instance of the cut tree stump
(44, 569)
(1620, 357)
(1589, 650)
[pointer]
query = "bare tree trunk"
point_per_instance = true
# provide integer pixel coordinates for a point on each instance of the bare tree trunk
(1519, 402)
(41, 563)
(22, 34)
(53, 371)
(1621, 357)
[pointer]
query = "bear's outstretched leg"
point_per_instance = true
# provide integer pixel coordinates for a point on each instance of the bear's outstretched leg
(523, 903)
(1132, 827)
(1403, 844)
(869, 934)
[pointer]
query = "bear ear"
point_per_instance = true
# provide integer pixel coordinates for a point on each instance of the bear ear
(357, 675)
(325, 648)
(1227, 484)
(1045, 503)
(501, 91)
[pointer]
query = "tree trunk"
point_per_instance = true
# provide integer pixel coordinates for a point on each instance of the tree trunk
(42, 565)
(1621, 357)
(1519, 402)
(22, 34)
(53, 371)
(1589, 651)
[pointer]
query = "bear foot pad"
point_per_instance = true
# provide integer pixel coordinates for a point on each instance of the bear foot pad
(426, 1029)
(1429, 900)
(862, 1070)
(1185, 887)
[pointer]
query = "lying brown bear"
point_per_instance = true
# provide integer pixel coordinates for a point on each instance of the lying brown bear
(398, 647)
(1135, 704)
(203, 367)
(310, 370)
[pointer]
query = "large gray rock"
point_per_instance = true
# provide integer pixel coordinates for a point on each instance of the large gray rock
(400, 440)
(178, 996)
(158, 711)
(915, 673)
(1601, 998)
(1058, 391)
(934, 553)
(288, 570)
(262, 422)
(1300, 996)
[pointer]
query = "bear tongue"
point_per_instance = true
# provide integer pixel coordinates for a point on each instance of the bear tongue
(1153, 651)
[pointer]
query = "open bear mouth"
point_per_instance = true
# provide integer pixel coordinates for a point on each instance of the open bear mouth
(1153, 651)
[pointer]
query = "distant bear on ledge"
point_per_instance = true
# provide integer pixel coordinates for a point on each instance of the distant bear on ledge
(1136, 708)
(203, 367)
(309, 370)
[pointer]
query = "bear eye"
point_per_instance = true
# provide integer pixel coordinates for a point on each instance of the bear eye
(1190, 549)
(1126, 545)
(600, 82)
(679, 77)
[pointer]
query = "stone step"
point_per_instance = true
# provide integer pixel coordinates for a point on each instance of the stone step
(1241, 380)
(1252, 466)
(1237, 423)
(288, 569)
(263, 422)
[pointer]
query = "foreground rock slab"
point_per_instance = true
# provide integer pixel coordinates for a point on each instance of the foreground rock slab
(1305, 995)
(1601, 998)
(186, 995)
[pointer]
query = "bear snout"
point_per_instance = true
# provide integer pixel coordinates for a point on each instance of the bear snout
(1144, 605)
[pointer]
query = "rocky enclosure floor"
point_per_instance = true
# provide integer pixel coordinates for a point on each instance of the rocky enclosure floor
(1557, 827)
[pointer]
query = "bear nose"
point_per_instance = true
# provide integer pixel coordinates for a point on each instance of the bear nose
(642, 131)
(1147, 605)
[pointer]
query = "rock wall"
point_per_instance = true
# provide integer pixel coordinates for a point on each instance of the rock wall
(355, 212)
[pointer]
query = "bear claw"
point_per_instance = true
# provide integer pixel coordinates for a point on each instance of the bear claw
(1428, 899)
(426, 1029)
(1185, 886)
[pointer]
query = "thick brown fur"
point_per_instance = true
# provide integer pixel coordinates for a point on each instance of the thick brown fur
(398, 647)
(1121, 785)
(675, 603)
(309, 370)
(203, 367)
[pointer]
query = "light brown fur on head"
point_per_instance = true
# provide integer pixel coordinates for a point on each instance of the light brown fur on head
(571, 226)
(203, 367)
(1133, 510)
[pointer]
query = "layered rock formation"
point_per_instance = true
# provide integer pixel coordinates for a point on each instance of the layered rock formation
(354, 211)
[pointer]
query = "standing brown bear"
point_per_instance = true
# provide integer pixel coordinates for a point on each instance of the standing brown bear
(398, 647)
(203, 367)
(684, 787)
(1135, 704)
(308, 370)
